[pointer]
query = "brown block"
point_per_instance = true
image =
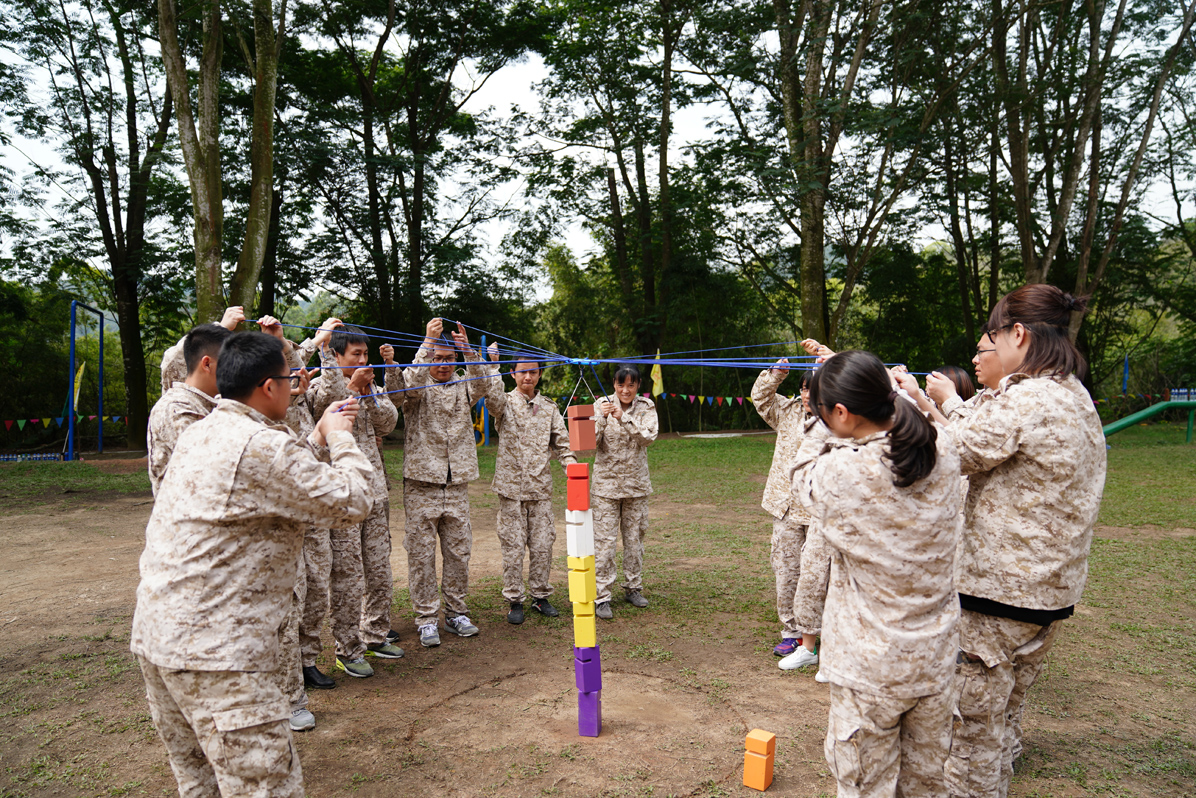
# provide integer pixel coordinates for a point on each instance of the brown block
(757, 770)
(579, 411)
(582, 435)
(761, 742)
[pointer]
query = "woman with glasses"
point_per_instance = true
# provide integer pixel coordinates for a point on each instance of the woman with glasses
(882, 485)
(1036, 455)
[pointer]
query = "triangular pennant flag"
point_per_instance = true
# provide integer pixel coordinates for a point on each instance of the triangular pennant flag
(728, 400)
(691, 398)
(59, 421)
(672, 396)
(710, 400)
(740, 398)
(91, 418)
(7, 425)
(34, 420)
(750, 399)
(20, 423)
(720, 400)
(117, 418)
(46, 423)
(701, 398)
(107, 418)
(126, 418)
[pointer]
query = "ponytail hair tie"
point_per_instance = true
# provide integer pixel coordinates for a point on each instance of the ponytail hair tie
(892, 397)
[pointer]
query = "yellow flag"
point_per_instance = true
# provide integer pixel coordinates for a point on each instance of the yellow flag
(657, 379)
(79, 383)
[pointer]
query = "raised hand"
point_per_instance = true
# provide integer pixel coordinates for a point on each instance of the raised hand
(362, 380)
(304, 382)
(782, 366)
(388, 354)
(493, 349)
(232, 317)
(339, 417)
(271, 326)
(940, 388)
(324, 334)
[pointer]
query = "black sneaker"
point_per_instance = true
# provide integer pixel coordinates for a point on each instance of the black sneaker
(515, 616)
(542, 606)
(313, 678)
(392, 636)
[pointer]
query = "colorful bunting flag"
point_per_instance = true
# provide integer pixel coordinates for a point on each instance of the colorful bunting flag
(59, 421)
(720, 400)
(710, 400)
(20, 423)
(7, 425)
(46, 422)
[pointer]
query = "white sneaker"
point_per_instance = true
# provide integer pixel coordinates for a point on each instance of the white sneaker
(821, 678)
(798, 659)
(461, 625)
(429, 635)
(302, 720)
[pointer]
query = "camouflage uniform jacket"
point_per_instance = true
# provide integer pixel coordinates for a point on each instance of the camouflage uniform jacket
(788, 418)
(530, 434)
(299, 417)
(179, 408)
(889, 625)
(440, 446)
(1036, 455)
(224, 538)
(174, 367)
(955, 408)
(376, 417)
(621, 462)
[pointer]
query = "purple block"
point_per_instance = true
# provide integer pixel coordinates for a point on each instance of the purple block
(589, 714)
(589, 675)
(586, 654)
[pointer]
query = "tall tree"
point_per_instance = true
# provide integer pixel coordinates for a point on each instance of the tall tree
(108, 113)
(199, 136)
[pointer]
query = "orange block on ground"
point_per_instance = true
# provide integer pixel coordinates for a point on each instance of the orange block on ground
(757, 770)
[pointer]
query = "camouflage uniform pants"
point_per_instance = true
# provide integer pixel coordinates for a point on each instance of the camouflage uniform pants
(290, 667)
(526, 525)
(226, 733)
(362, 589)
(612, 517)
(812, 584)
(1001, 659)
(785, 557)
(437, 511)
(878, 746)
(317, 561)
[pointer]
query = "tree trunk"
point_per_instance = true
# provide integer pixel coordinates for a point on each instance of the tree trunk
(199, 139)
(814, 176)
(666, 208)
(961, 256)
(620, 236)
(267, 296)
(267, 46)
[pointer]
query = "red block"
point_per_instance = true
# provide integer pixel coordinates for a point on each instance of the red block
(577, 489)
(581, 428)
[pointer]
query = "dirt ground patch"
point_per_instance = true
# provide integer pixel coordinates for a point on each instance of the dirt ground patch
(495, 715)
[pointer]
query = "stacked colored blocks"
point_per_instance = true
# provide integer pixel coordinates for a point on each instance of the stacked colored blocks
(583, 588)
(757, 759)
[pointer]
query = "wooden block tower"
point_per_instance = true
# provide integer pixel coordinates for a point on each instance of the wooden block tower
(757, 759)
(583, 589)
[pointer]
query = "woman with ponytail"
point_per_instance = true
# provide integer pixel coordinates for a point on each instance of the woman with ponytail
(885, 494)
(1035, 453)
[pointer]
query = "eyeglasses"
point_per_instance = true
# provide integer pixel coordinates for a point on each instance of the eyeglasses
(445, 359)
(980, 351)
(294, 379)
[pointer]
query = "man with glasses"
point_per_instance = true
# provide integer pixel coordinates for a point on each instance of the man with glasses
(361, 586)
(218, 571)
(439, 461)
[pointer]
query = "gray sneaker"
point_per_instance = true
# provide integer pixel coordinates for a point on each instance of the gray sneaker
(302, 720)
(603, 611)
(383, 651)
(636, 599)
(460, 625)
(355, 667)
(429, 635)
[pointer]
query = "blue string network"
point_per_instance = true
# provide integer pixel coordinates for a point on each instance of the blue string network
(513, 352)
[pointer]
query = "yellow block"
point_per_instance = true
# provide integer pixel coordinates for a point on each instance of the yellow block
(583, 587)
(581, 563)
(585, 633)
(583, 608)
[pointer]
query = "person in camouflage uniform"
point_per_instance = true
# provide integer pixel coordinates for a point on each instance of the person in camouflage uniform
(531, 433)
(1035, 453)
(439, 461)
(185, 402)
(218, 572)
(885, 495)
(790, 520)
(361, 584)
(619, 490)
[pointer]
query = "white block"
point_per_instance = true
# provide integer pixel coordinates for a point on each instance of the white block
(579, 533)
